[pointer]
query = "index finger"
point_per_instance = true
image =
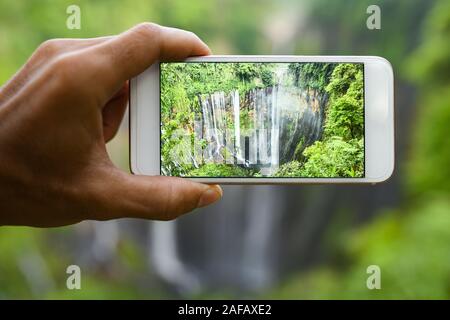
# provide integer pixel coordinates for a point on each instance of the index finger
(133, 51)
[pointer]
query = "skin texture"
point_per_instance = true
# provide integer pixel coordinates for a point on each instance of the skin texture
(57, 113)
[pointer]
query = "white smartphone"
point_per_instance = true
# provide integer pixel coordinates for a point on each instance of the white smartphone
(264, 119)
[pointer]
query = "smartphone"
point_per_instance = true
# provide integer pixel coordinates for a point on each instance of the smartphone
(264, 119)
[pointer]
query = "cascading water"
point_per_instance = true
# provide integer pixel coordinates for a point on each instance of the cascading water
(207, 125)
(237, 129)
(275, 133)
(279, 114)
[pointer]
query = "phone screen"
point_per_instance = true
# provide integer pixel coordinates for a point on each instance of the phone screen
(262, 119)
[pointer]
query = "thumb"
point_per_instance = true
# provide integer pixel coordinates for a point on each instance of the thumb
(155, 197)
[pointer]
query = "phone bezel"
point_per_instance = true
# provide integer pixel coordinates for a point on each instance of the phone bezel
(379, 120)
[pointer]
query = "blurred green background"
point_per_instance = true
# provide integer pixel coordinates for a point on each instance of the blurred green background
(407, 232)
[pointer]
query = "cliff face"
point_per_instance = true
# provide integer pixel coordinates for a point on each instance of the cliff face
(301, 132)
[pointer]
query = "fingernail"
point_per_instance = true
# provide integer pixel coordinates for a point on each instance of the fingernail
(210, 195)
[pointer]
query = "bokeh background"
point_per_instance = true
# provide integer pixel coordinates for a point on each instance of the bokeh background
(294, 242)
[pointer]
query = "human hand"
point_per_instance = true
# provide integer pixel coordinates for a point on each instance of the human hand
(57, 113)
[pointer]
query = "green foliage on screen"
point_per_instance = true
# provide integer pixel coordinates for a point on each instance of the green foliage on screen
(345, 115)
(311, 75)
(335, 157)
(341, 152)
(182, 84)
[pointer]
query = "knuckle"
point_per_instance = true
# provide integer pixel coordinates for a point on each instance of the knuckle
(168, 209)
(64, 69)
(148, 29)
(175, 203)
(50, 47)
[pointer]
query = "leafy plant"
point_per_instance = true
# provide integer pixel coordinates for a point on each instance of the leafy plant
(291, 169)
(345, 114)
(334, 157)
